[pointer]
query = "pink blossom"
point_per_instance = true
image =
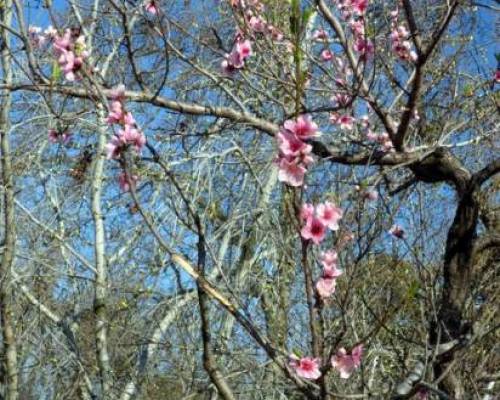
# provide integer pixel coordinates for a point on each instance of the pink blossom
(422, 394)
(257, 24)
(62, 44)
(71, 54)
(397, 231)
(329, 258)
(65, 137)
(244, 49)
(497, 76)
(359, 6)
(326, 55)
(372, 136)
(313, 230)
(290, 145)
(128, 119)
(325, 287)
(275, 33)
(303, 127)
(306, 159)
(114, 148)
(118, 93)
(227, 67)
(346, 122)
(306, 367)
(67, 62)
(133, 136)
(364, 47)
(370, 195)
(291, 172)
(55, 136)
(330, 272)
(236, 59)
(402, 31)
(399, 43)
(383, 137)
(306, 211)
(124, 183)
(347, 363)
(340, 82)
(151, 7)
(320, 34)
(329, 215)
(365, 121)
(341, 99)
(329, 261)
(116, 113)
(358, 27)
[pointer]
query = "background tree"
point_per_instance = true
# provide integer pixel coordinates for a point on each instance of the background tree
(249, 199)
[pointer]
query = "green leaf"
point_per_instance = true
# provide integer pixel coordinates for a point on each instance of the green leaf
(297, 352)
(56, 71)
(468, 90)
(306, 16)
(295, 16)
(413, 290)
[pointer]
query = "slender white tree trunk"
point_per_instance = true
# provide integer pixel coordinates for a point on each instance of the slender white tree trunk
(101, 283)
(9, 348)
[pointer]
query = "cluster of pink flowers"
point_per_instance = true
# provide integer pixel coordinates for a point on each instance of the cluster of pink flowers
(70, 50)
(345, 121)
(353, 11)
(400, 44)
(129, 134)
(125, 183)
(318, 219)
(364, 47)
(294, 153)
(56, 136)
(344, 363)
(152, 7)
(325, 286)
(235, 60)
(253, 10)
(349, 8)
(320, 35)
(341, 99)
(382, 139)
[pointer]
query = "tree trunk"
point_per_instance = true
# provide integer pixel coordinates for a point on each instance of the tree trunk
(9, 348)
